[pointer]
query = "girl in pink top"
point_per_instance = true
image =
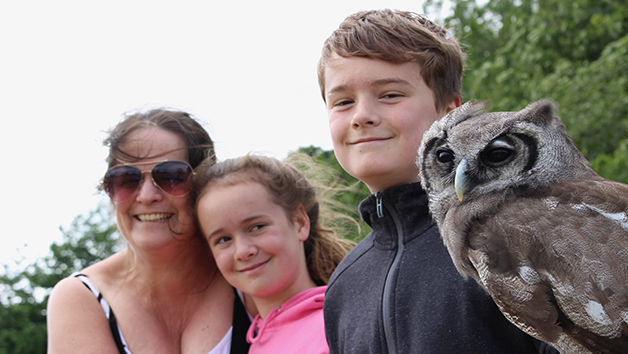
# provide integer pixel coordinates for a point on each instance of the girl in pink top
(261, 219)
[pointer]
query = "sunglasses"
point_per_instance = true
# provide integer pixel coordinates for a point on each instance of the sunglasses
(172, 177)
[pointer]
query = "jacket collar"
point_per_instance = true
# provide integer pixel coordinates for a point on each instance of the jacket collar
(401, 209)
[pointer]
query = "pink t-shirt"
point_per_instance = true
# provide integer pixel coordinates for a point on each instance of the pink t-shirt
(297, 326)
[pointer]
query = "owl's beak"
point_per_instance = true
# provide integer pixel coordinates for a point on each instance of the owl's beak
(461, 181)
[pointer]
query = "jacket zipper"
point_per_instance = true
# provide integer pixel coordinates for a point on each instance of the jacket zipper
(391, 344)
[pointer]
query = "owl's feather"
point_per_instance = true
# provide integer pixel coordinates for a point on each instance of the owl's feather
(542, 232)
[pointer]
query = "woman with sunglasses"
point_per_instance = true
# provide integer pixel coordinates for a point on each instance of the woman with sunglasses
(163, 293)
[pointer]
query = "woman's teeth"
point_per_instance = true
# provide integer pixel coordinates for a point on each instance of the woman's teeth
(154, 217)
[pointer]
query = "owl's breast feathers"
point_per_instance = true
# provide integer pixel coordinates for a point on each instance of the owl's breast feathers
(555, 259)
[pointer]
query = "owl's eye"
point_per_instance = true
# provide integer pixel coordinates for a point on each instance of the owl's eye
(497, 155)
(445, 156)
(499, 152)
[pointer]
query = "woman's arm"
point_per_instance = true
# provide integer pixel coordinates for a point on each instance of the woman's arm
(76, 321)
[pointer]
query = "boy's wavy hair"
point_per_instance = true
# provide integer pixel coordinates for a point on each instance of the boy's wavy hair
(289, 188)
(400, 37)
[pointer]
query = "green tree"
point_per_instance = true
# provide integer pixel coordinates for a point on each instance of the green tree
(351, 191)
(24, 292)
(572, 51)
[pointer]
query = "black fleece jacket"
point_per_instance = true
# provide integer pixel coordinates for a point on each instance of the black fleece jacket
(399, 292)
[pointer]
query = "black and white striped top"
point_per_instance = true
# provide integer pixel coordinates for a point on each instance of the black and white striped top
(233, 342)
(113, 323)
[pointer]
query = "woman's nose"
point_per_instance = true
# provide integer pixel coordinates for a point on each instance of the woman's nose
(148, 192)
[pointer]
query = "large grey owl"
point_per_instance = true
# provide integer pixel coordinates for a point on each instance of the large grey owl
(522, 212)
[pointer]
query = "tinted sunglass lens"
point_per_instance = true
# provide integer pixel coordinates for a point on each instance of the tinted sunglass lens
(173, 177)
(122, 181)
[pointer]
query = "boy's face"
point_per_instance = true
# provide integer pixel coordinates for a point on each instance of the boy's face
(378, 112)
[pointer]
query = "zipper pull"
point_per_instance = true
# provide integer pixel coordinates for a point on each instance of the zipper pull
(379, 205)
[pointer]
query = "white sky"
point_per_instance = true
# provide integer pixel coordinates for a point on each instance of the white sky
(70, 69)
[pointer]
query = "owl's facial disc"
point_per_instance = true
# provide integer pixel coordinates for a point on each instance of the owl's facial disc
(499, 153)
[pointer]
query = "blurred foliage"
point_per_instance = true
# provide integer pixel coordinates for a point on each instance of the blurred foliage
(24, 291)
(572, 51)
(350, 191)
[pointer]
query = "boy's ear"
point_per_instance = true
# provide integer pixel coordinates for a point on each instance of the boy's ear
(455, 103)
(302, 222)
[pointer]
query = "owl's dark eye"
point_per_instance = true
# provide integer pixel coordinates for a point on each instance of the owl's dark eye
(500, 151)
(497, 155)
(445, 156)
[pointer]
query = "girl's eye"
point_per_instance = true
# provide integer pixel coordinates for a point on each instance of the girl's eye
(258, 227)
(222, 239)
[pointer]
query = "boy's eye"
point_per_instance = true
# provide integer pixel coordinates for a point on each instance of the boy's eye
(342, 103)
(392, 95)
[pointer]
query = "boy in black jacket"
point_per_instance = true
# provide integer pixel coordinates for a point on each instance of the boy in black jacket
(385, 77)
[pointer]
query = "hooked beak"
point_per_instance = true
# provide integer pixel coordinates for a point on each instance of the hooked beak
(461, 182)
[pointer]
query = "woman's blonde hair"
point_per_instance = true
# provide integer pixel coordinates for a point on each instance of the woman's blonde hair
(288, 186)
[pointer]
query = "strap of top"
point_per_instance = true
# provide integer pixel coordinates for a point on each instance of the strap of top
(241, 323)
(113, 323)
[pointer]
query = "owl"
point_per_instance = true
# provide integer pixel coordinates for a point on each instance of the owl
(522, 212)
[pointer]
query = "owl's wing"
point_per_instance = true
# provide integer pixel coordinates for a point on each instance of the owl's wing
(513, 283)
(561, 251)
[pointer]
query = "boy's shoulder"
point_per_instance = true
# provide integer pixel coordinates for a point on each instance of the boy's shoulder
(356, 253)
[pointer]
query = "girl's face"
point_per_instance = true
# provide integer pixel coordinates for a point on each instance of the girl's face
(257, 247)
(151, 218)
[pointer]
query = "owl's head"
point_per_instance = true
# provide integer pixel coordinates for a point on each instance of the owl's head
(469, 153)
